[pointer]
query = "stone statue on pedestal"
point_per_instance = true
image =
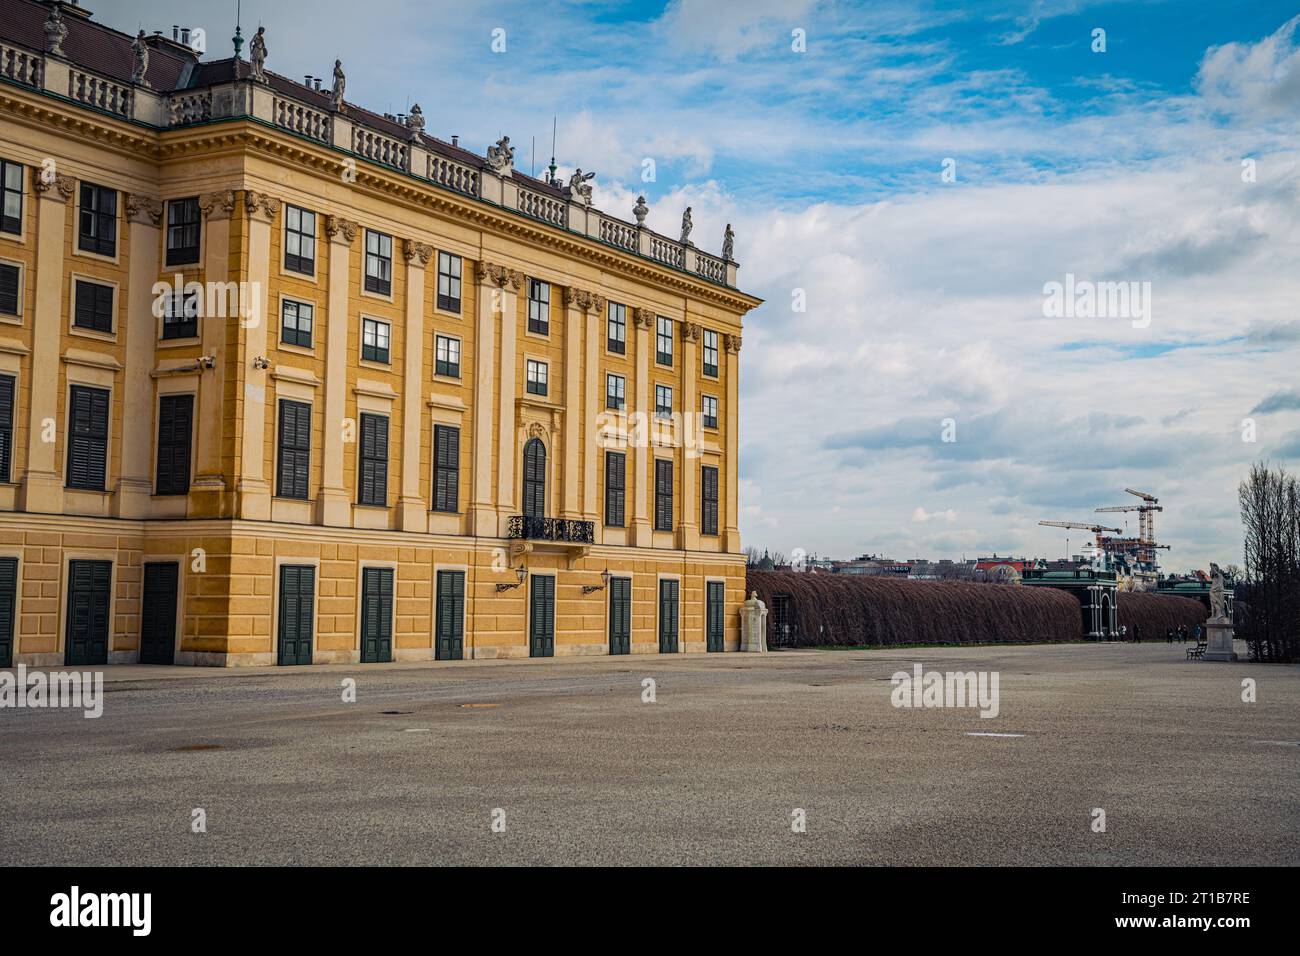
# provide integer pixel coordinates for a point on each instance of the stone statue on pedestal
(141, 50)
(687, 226)
(257, 55)
(1218, 628)
(340, 84)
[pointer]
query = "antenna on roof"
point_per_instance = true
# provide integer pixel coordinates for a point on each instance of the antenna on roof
(238, 38)
(532, 163)
(553, 181)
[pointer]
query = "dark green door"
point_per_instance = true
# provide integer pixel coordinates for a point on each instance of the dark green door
(620, 615)
(8, 609)
(541, 626)
(297, 610)
(668, 601)
(714, 614)
(89, 584)
(450, 616)
(376, 615)
(158, 612)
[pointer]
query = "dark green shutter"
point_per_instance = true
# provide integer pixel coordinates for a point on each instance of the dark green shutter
(668, 602)
(663, 494)
(88, 614)
(158, 612)
(708, 500)
(714, 614)
(542, 617)
(615, 488)
(376, 615)
(620, 615)
(450, 620)
(446, 468)
(9, 289)
(293, 470)
(534, 478)
(6, 427)
(175, 421)
(87, 438)
(8, 609)
(373, 480)
(297, 613)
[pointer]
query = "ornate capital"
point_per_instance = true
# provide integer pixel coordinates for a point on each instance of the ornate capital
(690, 331)
(260, 203)
(143, 209)
(499, 275)
(417, 250)
(644, 318)
(218, 205)
(732, 343)
(54, 187)
(583, 299)
(344, 230)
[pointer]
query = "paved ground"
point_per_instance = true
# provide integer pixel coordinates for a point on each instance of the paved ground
(710, 773)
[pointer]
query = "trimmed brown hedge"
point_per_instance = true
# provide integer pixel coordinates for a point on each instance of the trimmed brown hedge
(853, 609)
(1156, 613)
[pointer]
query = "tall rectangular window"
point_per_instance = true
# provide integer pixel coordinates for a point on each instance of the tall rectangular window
(539, 307)
(374, 341)
(446, 468)
(10, 287)
(183, 227)
(379, 262)
(663, 494)
(7, 383)
(93, 306)
(446, 356)
(372, 484)
(710, 411)
(617, 333)
(615, 391)
(710, 353)
(708, 499)
(180, 314)
(536, 377)
(11, 189)
(664, 340)
(87, 438)
(299, 240)
(663, 401)
(97, 229)
(296, 320)
(293, 469)
(615, 488)
(449, 269)
(175, 424)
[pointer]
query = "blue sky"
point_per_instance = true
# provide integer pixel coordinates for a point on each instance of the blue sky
(924, 296)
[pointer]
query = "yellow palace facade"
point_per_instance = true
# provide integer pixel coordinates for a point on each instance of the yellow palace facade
(286, 381)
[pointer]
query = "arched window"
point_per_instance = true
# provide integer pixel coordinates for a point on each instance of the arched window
(534, 479)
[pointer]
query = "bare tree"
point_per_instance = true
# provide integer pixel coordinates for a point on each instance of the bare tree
(1269, 589)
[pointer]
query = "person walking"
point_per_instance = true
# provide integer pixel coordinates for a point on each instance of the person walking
(1169, 635)
(1137, 633)
(1182, 633)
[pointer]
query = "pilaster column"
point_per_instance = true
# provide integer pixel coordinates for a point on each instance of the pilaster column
(144, 216)
(689, 436)
(579, 381)
(42, 484)
(254, 491)
(500, 284)
(593, 385)
(208, 490)
(730, 471)
(413, 510)
(332, 504)
(642, 530)
(572, 397)
(483, 517)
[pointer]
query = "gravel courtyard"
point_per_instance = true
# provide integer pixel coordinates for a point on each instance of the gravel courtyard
(585, 772)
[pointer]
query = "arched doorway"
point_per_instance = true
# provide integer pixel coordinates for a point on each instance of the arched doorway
(534, 479)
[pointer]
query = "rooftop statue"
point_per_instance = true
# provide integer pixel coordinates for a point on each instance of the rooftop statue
(687, 225)
(415, 122)
(501, 157)
(340, 83)
(141, 50)
(55, 30)
(579, 185)
(728, 243)
(257, 55)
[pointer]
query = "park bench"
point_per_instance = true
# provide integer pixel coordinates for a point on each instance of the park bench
(1195, 653)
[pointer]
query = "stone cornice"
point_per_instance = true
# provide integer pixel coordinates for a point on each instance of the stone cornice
(498, 275)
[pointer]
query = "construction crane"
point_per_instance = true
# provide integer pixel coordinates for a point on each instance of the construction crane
(1146, 540)
(1096, 529)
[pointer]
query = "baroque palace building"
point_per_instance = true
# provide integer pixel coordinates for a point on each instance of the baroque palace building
(286, 381)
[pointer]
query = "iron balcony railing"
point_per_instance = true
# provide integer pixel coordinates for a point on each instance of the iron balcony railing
(531, 528)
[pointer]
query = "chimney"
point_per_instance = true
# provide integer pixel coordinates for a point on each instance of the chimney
(455, 140)
(306, 80)
(185, 35)
(176, 32)
(318, 84)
